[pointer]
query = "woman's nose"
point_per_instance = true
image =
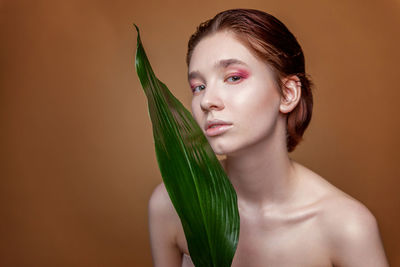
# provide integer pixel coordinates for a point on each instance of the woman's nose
(211, 99)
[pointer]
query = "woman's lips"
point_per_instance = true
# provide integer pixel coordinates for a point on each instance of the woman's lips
(217, 127)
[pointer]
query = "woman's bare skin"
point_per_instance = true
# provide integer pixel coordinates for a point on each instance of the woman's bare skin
(319, 226)
(289, 215)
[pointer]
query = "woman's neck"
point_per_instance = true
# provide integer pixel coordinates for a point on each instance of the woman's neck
(263, 174)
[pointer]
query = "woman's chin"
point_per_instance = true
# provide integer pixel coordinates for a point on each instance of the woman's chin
(221, 150)
(218, 150)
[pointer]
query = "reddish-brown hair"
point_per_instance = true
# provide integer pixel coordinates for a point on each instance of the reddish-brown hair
(272, 42)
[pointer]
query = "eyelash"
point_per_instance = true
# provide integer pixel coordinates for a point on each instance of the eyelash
(194, 88)
(232, 76)
(235, 76)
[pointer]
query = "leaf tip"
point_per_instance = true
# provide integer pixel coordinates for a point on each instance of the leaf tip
(137, 28)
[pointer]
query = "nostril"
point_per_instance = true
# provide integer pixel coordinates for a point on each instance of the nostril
(211, 103)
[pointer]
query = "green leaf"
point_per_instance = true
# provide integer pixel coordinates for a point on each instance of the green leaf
(199, 189)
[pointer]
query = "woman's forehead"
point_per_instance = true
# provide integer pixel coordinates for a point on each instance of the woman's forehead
(221, 49)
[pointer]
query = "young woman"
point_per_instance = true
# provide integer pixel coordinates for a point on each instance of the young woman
(252, 98)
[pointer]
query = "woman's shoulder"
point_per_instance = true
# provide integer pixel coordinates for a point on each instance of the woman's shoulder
(345, 220)
(347, 225)
(162, 214)
(160, 205)
(334, 205)
(351, 232)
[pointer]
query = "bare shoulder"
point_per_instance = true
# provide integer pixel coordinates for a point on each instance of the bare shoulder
(160, 205)
(349, 228)
(159, 199)
(352, 233)
(345, 219)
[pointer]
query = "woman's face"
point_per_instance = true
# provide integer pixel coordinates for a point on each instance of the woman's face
(235, 97)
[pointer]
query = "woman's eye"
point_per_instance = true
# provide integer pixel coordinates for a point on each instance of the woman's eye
(198, 88)
(234, 78)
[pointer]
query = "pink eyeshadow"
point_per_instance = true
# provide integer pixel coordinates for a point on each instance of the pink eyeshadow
(242, 73)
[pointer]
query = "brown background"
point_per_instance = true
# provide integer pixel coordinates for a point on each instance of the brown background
(77, 161)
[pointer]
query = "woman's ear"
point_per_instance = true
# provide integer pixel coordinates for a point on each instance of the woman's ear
(291, 88)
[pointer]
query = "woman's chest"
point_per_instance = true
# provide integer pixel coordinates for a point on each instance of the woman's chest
(276, 242)
(286, 244)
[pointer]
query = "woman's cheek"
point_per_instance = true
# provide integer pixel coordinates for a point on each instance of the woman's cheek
(196, 110)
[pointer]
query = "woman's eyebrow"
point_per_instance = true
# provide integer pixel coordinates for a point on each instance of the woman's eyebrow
(223, 63)
(195, 74)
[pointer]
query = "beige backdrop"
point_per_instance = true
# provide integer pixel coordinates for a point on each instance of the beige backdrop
(76, 151)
